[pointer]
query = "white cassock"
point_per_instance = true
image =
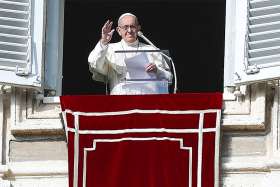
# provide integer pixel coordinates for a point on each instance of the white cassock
(107, 65)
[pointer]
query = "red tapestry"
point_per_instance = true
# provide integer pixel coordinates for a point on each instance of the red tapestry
(143, 141)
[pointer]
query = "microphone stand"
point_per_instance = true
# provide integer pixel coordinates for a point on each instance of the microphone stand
(140, 34)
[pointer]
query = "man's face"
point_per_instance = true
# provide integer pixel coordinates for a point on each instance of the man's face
(128, 28)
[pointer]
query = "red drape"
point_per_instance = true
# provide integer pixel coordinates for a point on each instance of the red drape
(143, 141)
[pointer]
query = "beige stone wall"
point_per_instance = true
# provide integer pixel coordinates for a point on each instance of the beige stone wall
(32, 141)
(34, 151)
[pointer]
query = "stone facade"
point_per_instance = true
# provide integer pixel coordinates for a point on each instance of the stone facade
(34, 150)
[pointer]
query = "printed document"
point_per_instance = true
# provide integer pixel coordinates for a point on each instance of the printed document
(136, 67)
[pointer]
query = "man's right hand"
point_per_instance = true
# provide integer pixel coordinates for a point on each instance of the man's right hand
(107, 32)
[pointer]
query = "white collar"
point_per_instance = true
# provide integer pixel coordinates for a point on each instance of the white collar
(133, 44)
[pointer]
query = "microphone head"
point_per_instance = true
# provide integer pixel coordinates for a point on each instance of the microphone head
(139, 33)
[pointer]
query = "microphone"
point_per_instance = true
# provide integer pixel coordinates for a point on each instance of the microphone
(141, 35)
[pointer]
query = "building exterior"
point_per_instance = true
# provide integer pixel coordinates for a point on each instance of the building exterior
(32, 141)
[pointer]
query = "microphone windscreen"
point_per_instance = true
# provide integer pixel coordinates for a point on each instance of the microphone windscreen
(139, 33)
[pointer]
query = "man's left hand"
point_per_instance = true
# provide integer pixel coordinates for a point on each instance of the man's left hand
(151, 67)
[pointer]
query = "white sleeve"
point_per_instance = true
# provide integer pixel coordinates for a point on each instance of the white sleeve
(164, 74)
(163, 70)
(97, 59)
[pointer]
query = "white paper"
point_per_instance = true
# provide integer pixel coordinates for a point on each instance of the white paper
(140, 88)
(136, 67)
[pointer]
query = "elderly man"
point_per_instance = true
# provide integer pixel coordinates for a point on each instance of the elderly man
(107, 65)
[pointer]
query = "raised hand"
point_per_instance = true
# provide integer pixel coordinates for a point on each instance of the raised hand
(107, 32)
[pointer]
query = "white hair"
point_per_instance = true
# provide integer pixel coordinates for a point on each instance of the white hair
(127, 14)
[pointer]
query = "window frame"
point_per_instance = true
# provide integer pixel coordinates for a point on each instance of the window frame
(54, 49)
(236, 49)
(244, 103)
(37, 27)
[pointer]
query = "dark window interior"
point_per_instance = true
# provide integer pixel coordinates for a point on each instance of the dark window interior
(193, 32)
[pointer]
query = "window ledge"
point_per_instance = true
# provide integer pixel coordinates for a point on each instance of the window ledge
(36, 168)
(243, 123)
(51, 100)
(53, 126)
(249, 164)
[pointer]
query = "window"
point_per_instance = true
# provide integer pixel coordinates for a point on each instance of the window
(252, 41)
(49, 48)
(21, 42)
(251, 55)
(192, 31)
(252, 44)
